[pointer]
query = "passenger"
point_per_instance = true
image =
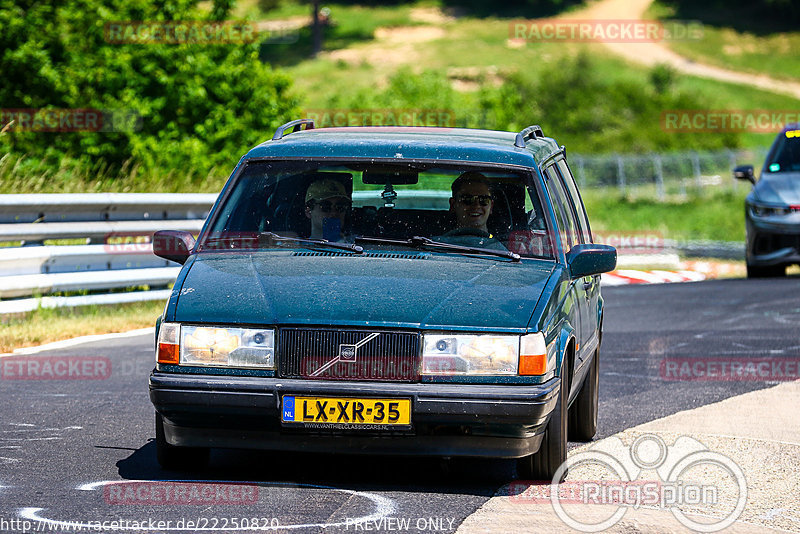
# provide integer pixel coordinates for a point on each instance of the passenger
(327, 206)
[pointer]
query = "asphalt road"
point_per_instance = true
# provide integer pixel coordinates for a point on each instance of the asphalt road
(62, 440)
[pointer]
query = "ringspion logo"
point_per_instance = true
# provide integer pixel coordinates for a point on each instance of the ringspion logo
(687, 476)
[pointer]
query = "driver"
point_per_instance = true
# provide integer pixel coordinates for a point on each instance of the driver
(327, 206)
(471, 202)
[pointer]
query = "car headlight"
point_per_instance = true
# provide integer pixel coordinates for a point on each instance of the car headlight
(487, 355)
(215, 346)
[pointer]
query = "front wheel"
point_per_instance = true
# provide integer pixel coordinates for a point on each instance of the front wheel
(770, 271)
(177, 458)
(583, 412)
(553, 451)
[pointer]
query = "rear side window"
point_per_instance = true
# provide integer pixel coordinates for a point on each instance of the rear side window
(580, 212)
(567, 225)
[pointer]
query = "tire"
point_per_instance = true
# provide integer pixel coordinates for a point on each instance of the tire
(175, 458)
(583, 412)
(553, 451)
(770, 271)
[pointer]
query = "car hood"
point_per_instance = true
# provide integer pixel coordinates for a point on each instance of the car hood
(430, 291)
(778, 188)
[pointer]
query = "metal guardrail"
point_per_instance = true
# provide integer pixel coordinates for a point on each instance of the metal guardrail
(31, 269)
(663, 175)
(107, 261)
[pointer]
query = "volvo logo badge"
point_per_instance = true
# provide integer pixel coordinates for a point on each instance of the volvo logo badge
(347, 353)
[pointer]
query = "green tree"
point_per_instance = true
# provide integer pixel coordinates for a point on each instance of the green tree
(200, 104)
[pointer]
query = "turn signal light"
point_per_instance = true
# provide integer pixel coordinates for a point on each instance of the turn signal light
(168, 353)
(169, 344)
(532, 355)
(532, 364)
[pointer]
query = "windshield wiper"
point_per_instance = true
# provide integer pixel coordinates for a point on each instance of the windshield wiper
(425, 242)
(271, 239)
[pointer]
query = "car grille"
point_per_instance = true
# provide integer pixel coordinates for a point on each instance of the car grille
(766, 243)
(348, 354)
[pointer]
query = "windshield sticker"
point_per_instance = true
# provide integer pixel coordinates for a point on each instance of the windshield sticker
(792, 133)
(774, 167)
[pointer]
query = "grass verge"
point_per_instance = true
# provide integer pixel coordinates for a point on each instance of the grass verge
(47, 325)
(716, 216)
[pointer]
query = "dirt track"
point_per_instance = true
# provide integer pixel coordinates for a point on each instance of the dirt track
(655, 53)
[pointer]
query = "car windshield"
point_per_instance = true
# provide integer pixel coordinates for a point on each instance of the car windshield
(492, 208)
(785, 157)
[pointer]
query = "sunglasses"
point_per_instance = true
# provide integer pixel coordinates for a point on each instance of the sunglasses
(469, 200)
(327, 206)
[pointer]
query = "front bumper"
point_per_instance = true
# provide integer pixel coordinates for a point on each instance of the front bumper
(503, 421)
(772, 243)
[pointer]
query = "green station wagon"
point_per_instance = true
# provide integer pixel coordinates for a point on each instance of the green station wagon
(385, 290)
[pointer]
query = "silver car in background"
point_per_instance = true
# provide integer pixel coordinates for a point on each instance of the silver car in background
(772, 209)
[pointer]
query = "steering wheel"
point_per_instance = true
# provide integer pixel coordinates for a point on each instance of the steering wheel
(467, 231)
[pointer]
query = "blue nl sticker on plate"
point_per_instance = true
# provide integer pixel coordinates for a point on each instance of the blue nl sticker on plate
(288, 408)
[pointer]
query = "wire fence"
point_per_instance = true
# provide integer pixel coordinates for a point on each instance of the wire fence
(663, 175)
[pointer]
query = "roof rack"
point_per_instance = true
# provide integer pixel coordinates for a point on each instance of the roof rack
(528, 133)
(296, 126)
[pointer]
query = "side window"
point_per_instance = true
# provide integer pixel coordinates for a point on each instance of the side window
(567, 226)
(580, 211)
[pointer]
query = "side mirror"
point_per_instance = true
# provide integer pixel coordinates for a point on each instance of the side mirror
(589, 259)
(173, 245)
(744, 172)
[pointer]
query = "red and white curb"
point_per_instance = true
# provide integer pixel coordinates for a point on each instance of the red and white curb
(627, 276)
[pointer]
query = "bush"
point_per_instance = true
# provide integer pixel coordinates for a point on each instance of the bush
(573, 102)
(200, 104)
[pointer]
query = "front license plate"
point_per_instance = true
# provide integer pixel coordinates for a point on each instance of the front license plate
(320, 412)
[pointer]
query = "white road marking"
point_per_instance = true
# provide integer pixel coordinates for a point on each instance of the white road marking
(51, 438)
(384, 507)
(45, 429)
(78, 341)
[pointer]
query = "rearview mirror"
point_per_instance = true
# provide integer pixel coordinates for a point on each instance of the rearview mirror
(389, 176)
(173, 245)
(589, 259)
(744, 172)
